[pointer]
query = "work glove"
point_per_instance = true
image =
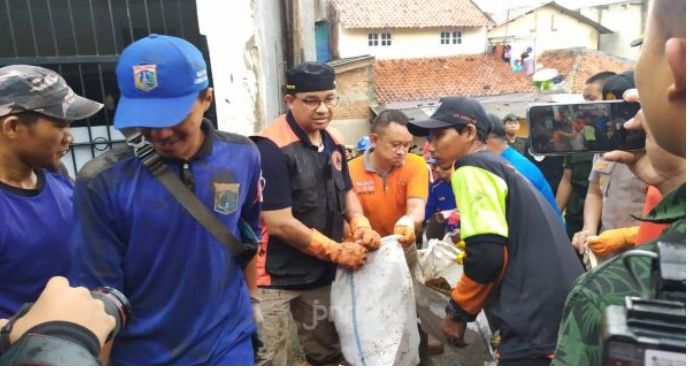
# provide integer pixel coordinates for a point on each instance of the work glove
(348, 255)
(405, 228)
(612, 241)
(362, 233)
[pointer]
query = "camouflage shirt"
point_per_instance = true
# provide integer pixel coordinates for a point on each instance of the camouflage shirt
(520, 145)
(579, 335)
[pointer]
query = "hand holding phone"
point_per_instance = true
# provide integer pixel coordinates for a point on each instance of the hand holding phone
(655, 166)
(557, 129)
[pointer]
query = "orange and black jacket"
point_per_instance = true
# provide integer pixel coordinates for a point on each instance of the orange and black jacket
(317, 182)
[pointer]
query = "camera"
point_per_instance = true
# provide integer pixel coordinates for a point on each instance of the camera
(650, 330)
(60, 345)
(116, 305)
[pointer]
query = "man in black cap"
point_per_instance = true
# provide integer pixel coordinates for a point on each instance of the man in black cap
(308, 198)
(511, 125)
(518, 266)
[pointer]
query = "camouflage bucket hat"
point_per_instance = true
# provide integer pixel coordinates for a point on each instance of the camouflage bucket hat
(32, 88)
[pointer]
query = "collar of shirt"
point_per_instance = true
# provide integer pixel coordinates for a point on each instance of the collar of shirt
(206, 146)
(670, 209)
(369, 167)
(304, 138)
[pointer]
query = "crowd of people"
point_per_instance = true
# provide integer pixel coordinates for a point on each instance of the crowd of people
(152, 219)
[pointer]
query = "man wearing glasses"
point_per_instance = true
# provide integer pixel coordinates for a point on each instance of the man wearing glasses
(308, 199)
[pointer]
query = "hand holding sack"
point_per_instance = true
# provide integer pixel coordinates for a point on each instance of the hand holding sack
(349, 255)
(362, 232)
(405, 228)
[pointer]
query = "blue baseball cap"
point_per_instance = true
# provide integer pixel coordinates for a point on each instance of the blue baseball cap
(363, 144)
(160, 78)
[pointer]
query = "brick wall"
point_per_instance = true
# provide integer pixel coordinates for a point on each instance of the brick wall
(356, 94)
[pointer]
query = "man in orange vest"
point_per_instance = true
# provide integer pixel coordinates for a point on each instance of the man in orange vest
(308, 199)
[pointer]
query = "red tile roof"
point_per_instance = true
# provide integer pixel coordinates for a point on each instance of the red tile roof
(404, 80)
(409, 13)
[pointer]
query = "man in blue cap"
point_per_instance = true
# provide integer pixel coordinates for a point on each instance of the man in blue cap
(190, 300)
(363, 144)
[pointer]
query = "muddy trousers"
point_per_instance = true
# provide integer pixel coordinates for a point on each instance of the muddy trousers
(310, 310)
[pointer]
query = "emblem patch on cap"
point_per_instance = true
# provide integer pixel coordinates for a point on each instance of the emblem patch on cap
(226, 197)
(145, 77)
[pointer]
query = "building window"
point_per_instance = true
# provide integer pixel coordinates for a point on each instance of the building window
(457, 37)
(445, 38)
(386, 39)
(373, 39)
(553, 23)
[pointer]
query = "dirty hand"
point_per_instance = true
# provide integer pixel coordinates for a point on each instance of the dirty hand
(580, 238)
(405, 228)
(368, 237)
(363, 232)
(454, 331)
(351, 255)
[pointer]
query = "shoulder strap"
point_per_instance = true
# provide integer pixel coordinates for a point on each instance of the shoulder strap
(153, 162)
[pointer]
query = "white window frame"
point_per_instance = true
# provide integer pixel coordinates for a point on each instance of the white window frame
(386, 39)
(373, 39)
(456, 37)
(445, 37)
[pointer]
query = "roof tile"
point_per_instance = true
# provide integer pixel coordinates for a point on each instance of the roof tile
(404, 80)
(409, 13)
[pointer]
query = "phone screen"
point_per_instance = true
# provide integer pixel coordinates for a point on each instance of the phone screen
(583, 127)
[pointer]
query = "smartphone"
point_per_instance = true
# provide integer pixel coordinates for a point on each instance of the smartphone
(556, 129)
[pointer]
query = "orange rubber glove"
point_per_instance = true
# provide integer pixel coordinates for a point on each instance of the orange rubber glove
(612, 241)
(348, 255)
(405, 228)
(362, 232)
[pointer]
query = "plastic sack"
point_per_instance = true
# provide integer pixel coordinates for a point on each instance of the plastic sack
(374, 311)
(438, 260)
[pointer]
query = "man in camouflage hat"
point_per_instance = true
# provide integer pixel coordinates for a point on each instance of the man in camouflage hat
(36, 109)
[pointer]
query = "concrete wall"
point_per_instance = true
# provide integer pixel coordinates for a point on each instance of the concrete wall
(231, 33)
(247, 61)
(568, 32)
(410, 43)
(271, 57)
(627, 22)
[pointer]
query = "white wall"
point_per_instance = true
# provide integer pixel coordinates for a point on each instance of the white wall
(410, 43)
(627, 23)
(230, 31)
(569, 31)
(246, 47)
(272, 59)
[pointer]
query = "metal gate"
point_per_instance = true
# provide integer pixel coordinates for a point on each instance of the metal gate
(81, 40)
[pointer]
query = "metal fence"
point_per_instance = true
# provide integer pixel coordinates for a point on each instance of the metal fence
(81, 40)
